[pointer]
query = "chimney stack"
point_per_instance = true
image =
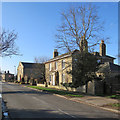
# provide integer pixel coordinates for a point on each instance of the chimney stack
(8, 71)
(102, 48)
(55, 53)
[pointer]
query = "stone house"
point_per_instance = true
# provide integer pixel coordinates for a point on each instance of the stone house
(7, 76)
(57, 67)
(110, 73)
(30, 70)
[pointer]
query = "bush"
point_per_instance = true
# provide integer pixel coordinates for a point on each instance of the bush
(66, 85)
(32, 81)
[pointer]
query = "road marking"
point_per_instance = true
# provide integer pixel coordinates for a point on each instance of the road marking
(66, 113)
(35, 98)
(41, 101)
(59, 110)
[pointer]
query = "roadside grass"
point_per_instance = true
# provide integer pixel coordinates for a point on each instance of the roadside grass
(60, 92)
(116, 105)
(117, 96)
(113, 106)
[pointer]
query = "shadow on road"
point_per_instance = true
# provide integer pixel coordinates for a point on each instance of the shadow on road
(24, 92)
(31, 114)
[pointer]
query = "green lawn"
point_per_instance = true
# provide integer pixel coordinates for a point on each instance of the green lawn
(113, 106)
(116, 105)
(60, 92)
(114, 96)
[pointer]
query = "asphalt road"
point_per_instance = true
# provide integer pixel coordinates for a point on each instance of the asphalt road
(26, 103)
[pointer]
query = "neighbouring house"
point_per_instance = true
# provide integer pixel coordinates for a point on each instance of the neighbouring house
(110, 73)
(29, 71)
(57, 67)
(7, 76)
(102, 54)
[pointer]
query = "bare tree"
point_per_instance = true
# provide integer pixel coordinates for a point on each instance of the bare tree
(7, 43)
(40, 66)
(81, 29)
(80, 23)
(41, 59)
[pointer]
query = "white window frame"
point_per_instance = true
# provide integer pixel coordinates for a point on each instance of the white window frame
(50, 78)
(56, 65)
(63, 64)
(63, 78)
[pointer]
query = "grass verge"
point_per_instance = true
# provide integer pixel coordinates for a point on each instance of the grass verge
(60, 92)
(117, 96)
(113, 106)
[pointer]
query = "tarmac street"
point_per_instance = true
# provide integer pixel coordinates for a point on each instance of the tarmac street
(23, 102)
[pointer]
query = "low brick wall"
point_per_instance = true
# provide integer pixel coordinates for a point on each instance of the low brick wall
(81, 89)
(62, 88)
(59, 87)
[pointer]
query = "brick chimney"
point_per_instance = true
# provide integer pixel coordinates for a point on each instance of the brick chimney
(102, 48)
(55, 53)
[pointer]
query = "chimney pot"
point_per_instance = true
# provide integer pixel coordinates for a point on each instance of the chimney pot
(55, 53)
(102, 48)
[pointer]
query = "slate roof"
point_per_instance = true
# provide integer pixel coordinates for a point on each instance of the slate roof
(108, 66)
(30, 65)
(98, 54)
(70, 53)
(63, 55)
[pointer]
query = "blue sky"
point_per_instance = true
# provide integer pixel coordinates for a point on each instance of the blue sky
(36, 25)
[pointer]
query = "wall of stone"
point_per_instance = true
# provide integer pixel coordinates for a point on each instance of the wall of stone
(99, 87)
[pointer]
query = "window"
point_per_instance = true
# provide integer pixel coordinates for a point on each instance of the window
(50, 80)
(55, 65)
(50, 66)
(63, 64)
(98, 61)
(63, 78)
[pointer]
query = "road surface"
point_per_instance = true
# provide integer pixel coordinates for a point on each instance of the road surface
(23, 102)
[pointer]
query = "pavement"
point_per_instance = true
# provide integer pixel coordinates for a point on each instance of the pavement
(96, 101)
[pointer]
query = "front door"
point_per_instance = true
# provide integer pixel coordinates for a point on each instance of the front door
(57, 78)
